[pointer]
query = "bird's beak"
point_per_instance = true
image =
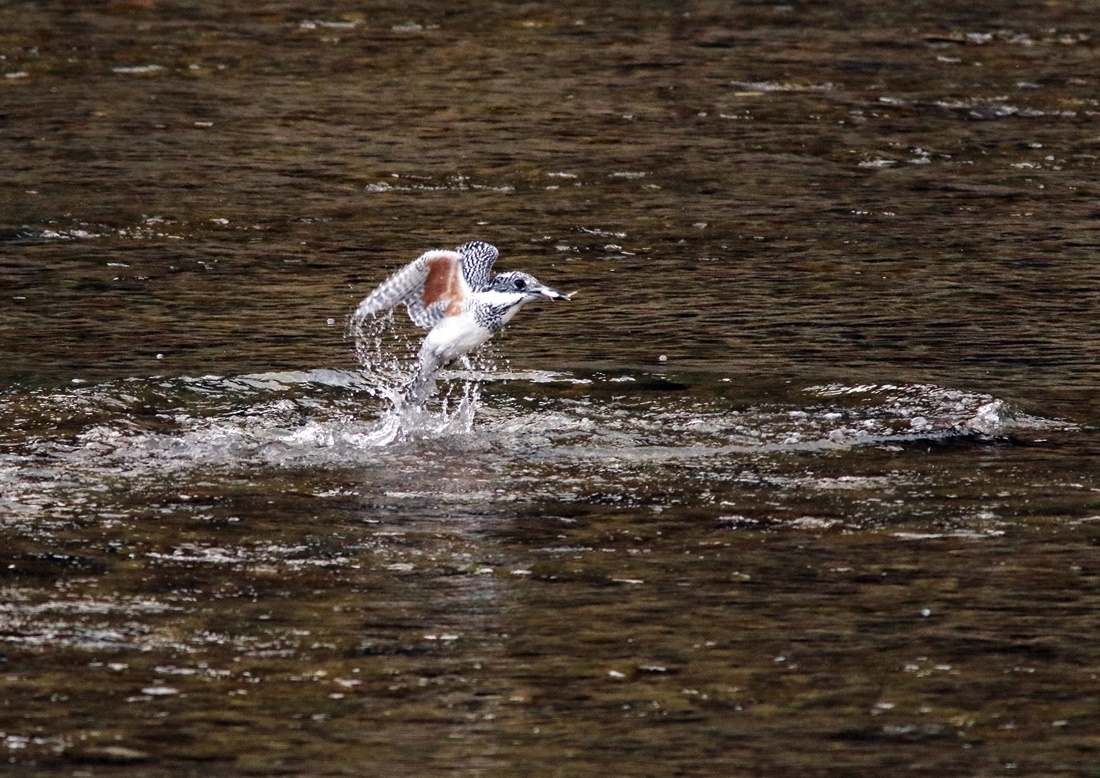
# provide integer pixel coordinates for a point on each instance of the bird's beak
(552, 294)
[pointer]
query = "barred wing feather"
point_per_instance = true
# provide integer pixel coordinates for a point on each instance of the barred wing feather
(431, 287)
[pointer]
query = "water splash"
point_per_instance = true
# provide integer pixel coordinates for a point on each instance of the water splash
(388, 352)
(100, 453)
(64, 447)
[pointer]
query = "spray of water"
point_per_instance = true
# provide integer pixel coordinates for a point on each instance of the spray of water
(387, 351)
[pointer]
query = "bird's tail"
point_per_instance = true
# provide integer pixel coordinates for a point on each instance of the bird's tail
(420, 389)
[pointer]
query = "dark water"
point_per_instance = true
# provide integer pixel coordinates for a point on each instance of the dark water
(802, 482)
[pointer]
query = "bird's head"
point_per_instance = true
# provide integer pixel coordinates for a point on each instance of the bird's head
(524, 287)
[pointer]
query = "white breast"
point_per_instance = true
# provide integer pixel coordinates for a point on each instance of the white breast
(450, 339)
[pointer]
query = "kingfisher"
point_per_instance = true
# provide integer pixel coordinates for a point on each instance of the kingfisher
(451, 294)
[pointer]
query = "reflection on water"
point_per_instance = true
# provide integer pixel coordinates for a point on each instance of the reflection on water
(810, 458)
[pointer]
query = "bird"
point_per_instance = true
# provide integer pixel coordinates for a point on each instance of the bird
(452, 294)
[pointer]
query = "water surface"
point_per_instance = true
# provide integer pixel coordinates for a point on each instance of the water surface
(803, 481)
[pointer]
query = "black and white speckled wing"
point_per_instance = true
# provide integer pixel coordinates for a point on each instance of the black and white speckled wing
(477, 263)
(432, 287)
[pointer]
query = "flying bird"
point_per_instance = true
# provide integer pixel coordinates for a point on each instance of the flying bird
(453, 296)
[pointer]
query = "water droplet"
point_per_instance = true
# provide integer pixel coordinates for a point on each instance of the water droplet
(159, 691)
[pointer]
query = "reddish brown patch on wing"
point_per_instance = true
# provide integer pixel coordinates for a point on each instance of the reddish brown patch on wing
(444, 284)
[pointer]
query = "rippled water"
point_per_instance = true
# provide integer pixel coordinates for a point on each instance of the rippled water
(802, 481)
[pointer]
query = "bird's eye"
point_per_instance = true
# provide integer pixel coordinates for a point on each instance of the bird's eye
(520, 284)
